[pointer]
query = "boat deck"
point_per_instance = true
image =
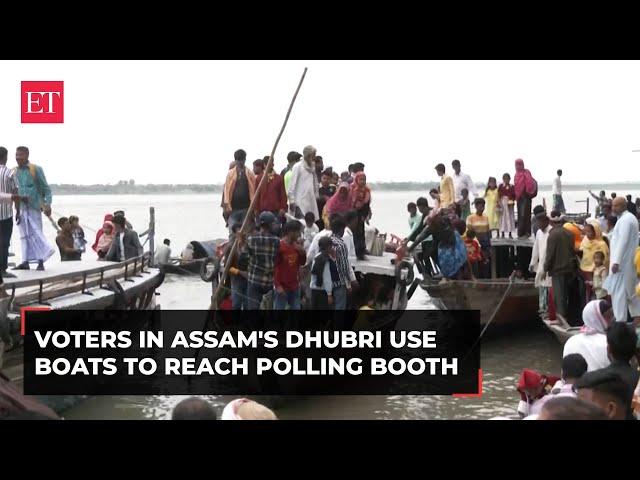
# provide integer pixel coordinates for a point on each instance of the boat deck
(54, 270)
(378, 265)
(512, 242)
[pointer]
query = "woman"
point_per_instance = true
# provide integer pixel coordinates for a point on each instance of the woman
(452, 253)
(591, 342)
(107, 218)
(525, 188)
(360, 196)
(491, 199)
(533, 388)
(105, 240)
(507, 196)
(340, 202)
(591, 243)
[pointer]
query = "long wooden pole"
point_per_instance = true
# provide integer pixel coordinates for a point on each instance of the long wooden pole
(247, 218)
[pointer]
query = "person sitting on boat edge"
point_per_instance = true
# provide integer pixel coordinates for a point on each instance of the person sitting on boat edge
(64, 240)
(591, 342)
(574, 366)
(163, 253)
(607, 390)
(194, 408)
(533, 388)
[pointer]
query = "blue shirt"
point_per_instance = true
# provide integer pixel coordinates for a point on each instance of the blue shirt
(37, 189)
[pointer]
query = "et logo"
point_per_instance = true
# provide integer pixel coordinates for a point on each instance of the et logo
(42, 102)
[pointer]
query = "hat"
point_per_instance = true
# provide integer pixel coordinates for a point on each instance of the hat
(293, 156)
(266, 218)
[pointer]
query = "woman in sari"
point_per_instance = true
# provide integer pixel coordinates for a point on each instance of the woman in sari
(106, 239)
(591, 243)
(452, 252)
(107, 218)
(340, 202)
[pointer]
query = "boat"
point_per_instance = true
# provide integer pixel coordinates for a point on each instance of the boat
(562, 332)
(502, 301)
(201, 251)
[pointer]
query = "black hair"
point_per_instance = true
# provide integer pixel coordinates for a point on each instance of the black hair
(22, 149)
(455, 162)
(259, 161)
(538, 209)
(613, 195)
(291, 226)
(240, 155)
(479, 200)
(600, 253)
(488, 182)
(422, 202)
(622, 341)
(434, 190)
(571, 408)
(573, 366)
(559, 172)
(3, 152)
(62, 221)
(336, 223)
(471, 233)
(411, 206)
(604, 306)
(603, 193)
(609, 383)
(629, 198)
(324, 244)
(506, 175)
(358, 167)
(350, 168)
(119, 220)
(440, 167)
(310, 217)
(166, 241)
(194, 408)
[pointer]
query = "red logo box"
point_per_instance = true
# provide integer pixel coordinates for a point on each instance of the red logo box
(42, 102)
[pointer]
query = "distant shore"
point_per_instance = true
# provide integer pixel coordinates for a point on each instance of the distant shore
(179, 189)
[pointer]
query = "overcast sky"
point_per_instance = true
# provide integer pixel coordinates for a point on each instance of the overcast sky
(181, 121)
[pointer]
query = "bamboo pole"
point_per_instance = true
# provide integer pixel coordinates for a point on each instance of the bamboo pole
(234, 247)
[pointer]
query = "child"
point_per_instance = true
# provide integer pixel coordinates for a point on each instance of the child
(324, 274)
(491, 199)
(479, 223)
(474, 253)
(291, 256)
(599, 276)
(79, 243)
(414, 218)
(507, 196)
(463, 205)
(310, 229)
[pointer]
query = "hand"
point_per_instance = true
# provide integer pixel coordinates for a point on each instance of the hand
(227, 208)
(615, 268)
(532, 268)
(355, 285)
(47, 210)
(279, 289)
(330, 299)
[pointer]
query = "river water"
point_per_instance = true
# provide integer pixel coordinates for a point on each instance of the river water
(183, 218)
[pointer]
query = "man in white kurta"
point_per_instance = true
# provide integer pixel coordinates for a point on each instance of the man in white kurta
(622, 279)
(303, 190)
(538, 257)
(462, 180)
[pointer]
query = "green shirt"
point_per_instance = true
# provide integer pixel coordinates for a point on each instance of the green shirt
(37, 189)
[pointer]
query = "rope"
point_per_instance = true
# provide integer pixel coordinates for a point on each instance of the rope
(81, 224)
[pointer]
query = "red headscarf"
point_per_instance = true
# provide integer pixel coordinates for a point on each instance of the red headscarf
(530, 379)
(360, 195)
(338, 204)
(523, 181)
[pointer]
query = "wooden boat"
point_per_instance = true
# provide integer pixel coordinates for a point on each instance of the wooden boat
(201, 251)
(560, 328)
(502, 302)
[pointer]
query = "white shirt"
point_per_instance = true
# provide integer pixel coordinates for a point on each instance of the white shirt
(592, 347)
(538, 257)
(463, 181)
(309, 234)
(556, 188)
(121, 242)
(303, 189)
(351, 247)
(314, 249)
(162, 255)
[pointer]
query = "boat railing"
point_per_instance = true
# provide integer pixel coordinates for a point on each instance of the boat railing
(133, 267)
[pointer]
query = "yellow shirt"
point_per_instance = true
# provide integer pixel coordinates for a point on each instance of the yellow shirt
(447, 192)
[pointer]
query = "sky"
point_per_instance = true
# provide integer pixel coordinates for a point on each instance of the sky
(181, 121)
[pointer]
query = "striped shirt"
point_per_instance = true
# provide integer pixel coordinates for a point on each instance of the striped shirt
(262, 249)
(8, 185)
(342, 261)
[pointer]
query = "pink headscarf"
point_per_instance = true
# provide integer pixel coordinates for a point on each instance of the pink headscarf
(337, 204)
(105, 240)
(523, 181)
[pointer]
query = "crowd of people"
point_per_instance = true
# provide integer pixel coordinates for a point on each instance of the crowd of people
(305, 231)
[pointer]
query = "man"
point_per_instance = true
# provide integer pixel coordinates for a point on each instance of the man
(193, 408)
(64, 240)
(319, 166)
(325, 192)
(605, 213)
(262, 248)
(8, 186)
(462, 180)
(560, 263)
(631, 206)
(479, 223)
(538, 258)
(622, 279)
(126, 243)
(163, 253)
(292, 158)
(258, 166)
(273, 197)
(556, 190)
(303, 189)
(239, 188)
(570, 408)
(608, 391)
(534, 224)
(447, 190)
(621, 348)
(33, 184)
(127, 224)
(602, 199)
(574, 366)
